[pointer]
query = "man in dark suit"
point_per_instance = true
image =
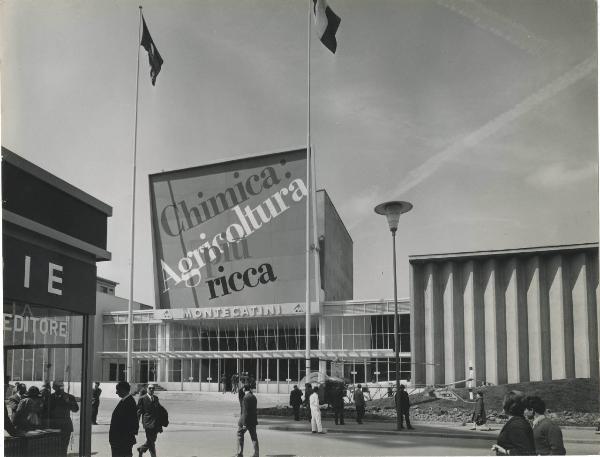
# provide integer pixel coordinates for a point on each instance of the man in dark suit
(14, 400)
(96, 392)
(148, 411)
(124, 424)
(338, 404)
(60, 405)
(248, 421)
(308, 390)
(296, 401)
(404, 406)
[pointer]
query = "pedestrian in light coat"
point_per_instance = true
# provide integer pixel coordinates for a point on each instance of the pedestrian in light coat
(148, 411)
(315, 411)
(248, 422)
(124, 424)
(359, 403)
(296, 401)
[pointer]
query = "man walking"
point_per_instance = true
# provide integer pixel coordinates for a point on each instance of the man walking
(296, 401)
(479, 417)
(546, 434)
(403, 404)
(224, 383)
(96, 391)
(148, 409)
(338, 404)
(248, 422)
(307, 393)
(315, 411)
(234, 383)
(124, 424)
(60, 406)
(359, 402)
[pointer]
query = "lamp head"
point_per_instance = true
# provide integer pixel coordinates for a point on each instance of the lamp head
(392, 211)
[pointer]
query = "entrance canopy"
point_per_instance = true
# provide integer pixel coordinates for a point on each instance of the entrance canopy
(324, 354)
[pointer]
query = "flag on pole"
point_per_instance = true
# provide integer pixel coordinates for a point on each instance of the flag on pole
(327, 23)
(154, 57)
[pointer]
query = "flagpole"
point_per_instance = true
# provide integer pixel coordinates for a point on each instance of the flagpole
(307, 304)
(316, 252)
(130, 304)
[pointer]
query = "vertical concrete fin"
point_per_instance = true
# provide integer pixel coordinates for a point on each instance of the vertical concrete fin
(469, 315)
(568, 281)
(501, 320)
(490, 313)
(522, 319)
(592, 286)
(417, 324)
(512, 322)
(546, 349)
(429, 322)
(479, 322)
(581, 335)
(438, 327)
(557, 321)
(448, 304)
(534, 321)
(459, 325)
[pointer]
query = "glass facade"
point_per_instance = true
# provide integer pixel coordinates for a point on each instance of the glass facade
(366, 332)
(42, 344)
(346, 332)
(145, 337)
(241, 335)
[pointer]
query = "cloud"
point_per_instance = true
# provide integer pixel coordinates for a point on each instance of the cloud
(354, 208)
(558, 175)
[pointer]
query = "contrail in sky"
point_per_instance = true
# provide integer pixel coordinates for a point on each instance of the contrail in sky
(488, 19)
(425, 170)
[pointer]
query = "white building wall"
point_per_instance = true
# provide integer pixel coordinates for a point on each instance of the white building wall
(527, 315)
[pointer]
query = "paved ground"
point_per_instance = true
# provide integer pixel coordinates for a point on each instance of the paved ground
(205, 425)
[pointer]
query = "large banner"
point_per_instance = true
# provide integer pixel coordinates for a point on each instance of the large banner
(232, 233)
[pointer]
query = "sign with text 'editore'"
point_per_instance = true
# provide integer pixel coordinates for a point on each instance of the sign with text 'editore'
(231, 233)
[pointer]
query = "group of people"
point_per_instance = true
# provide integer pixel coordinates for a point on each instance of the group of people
(520, 437)
(311, 402)
(313, 411)
(238, 381)
(124, 422)
(32, 408)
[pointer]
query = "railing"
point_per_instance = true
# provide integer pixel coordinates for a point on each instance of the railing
(35, 443)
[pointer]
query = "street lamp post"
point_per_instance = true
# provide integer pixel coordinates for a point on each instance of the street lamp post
(392, 211)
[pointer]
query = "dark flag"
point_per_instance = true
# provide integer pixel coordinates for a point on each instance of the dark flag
(327, 23)
(154, 57)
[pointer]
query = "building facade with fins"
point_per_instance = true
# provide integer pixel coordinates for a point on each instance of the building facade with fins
(514, 316)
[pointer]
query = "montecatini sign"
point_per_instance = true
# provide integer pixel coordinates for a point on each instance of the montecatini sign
(232, 312)
(231, 233)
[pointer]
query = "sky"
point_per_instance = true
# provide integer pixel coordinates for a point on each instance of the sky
(482, 114)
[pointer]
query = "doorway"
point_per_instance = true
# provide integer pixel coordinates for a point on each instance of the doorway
(147, 371)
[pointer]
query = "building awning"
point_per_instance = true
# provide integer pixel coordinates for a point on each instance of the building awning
(326, 354)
